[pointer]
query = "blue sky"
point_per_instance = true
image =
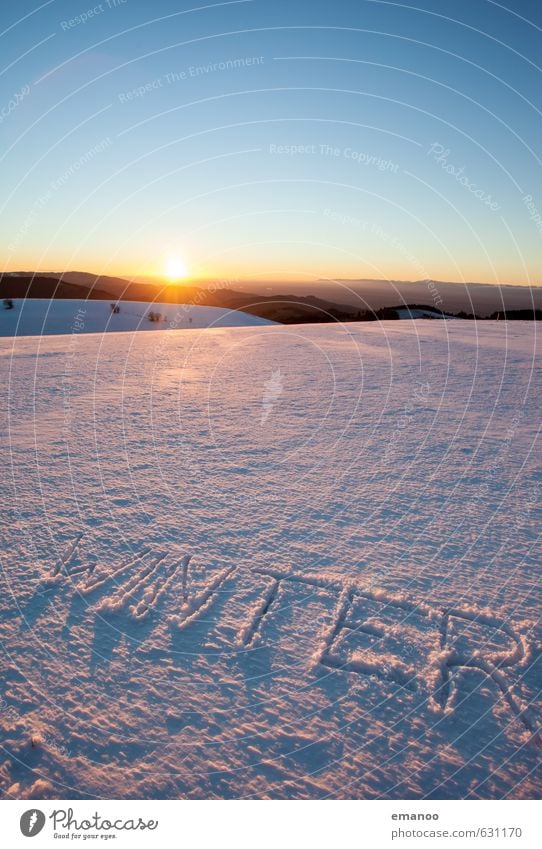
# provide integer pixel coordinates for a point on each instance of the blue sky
(273, 140)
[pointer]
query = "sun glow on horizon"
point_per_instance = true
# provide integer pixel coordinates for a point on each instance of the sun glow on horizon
(176, 268)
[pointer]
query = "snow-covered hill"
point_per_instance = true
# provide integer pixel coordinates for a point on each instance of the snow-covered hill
(44, 317)
(272, 562)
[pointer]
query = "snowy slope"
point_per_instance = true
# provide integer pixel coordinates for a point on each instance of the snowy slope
(45, 317)
(272, 562)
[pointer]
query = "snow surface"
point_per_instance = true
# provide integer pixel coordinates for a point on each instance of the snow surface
(46, 317)
(295, 562)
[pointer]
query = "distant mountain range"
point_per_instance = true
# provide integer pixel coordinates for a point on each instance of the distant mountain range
(338, 300)
(482, 299)
(286, 309)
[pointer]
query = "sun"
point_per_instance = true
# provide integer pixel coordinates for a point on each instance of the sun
(175, 268)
